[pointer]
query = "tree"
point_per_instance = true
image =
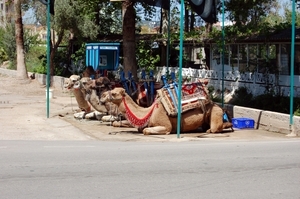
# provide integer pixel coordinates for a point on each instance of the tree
(249, 12)
(129, 58)
(21, 66)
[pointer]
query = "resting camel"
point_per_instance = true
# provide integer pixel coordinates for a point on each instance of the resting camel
(69, 84)
(155, 120)
(92, 89)
(87, 97)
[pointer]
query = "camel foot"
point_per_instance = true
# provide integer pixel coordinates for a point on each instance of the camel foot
(109, 118)
(208, 131)
(90, 116)
(80, 115)
(157, 130)
(99, 115)
(123, 123)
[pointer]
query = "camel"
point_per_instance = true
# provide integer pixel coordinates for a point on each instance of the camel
(154, 120)
(87, 111)
(92, 89)
(87, 98)
(69, 84)
(89, 72)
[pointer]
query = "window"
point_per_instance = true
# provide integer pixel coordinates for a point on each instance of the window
(252, 57)
(234, 52)
(243, 57)
(284, 59)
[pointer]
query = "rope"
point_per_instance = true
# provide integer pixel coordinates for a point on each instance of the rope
(134, 120)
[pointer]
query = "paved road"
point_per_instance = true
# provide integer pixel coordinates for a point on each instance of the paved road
(97, 169)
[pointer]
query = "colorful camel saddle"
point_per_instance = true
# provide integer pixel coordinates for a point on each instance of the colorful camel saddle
(192, 96)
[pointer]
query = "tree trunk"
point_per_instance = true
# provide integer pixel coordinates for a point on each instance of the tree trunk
(53, 48)
(186, 18)
(208, 29)
(129, 61)
(192, 27)
(21, 66)
(164, 30)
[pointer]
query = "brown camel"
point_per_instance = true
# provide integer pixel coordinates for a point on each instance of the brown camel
(88, 110)
(89, 72)
(69, 84)
(92, 89)
(155, 120)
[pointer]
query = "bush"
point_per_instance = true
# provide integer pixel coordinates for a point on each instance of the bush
(242, 97)
(35, 59)
(267, 101)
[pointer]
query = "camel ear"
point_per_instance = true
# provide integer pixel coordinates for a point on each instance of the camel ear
(122, 92)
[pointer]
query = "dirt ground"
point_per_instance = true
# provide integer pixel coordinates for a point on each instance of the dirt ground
(24, 116)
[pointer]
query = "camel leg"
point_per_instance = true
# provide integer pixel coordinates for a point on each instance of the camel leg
(216, 120)
(157, 130)
(109, 118)
(227, 125)
(90, 115)
(80, 115)
(122, 123)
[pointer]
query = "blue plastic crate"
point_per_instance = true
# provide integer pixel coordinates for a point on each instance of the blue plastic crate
(243, 123)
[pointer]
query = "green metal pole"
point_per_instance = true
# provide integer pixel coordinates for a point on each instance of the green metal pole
(168, 44)
(180, 69)
(292, 65)
(223, 51)
(48, 56)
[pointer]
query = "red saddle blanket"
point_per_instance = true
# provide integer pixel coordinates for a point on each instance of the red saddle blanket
(192, 95)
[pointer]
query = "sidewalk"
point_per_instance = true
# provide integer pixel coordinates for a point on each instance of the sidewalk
(24, 117)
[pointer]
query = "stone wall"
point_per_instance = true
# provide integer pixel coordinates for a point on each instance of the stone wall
(57, 81)
(268, 120)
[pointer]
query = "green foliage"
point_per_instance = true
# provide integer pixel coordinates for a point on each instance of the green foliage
(8, 44)
(41, 69)
(266, 101)
(35, 59)
(211, 91)
(79, 54)
(146, 57)
(8, 41)
(297, 112)
(3, 55)
(276, 103)
(77, 67)
(242, 97)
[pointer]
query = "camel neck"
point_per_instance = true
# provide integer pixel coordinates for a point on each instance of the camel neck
(137, 116)
(133, 107)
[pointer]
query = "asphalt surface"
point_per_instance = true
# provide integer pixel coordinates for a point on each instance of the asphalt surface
(26, 115)
(133, 170)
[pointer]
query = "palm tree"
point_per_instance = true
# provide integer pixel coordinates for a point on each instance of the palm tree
(21, 66)
(129, 16)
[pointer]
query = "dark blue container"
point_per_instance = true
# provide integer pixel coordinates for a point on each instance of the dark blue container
(242, 123)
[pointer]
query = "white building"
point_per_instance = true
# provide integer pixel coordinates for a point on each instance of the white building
(6, 12)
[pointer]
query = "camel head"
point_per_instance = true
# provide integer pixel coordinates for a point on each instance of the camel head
(103, 82)
(69, 83)
(115, 96)
(88, 72)
(80, 84)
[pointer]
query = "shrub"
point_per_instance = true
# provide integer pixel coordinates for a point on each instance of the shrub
(242, 97)
(267, 101)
